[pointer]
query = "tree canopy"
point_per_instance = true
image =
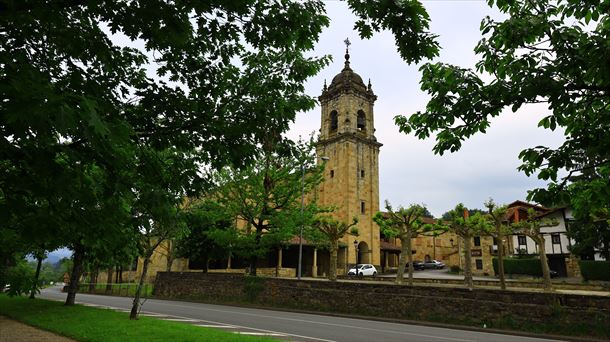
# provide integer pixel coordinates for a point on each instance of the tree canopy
(550, 52)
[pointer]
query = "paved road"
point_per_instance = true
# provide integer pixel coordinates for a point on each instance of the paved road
(287, 325)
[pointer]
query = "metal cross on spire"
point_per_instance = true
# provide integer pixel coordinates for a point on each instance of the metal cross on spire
(347, 44)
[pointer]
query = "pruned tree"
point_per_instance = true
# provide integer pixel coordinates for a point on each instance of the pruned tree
(466, 226)
(406, 224)
(531, 227)
(266, 197)
(499, 229)
(334, 230)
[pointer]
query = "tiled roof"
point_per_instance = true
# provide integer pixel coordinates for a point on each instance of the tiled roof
(388, 246)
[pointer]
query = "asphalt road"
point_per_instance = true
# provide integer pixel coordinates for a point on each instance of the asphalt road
(287, 325)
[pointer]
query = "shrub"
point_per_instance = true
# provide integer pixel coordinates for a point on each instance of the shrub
(595, 270)
(454, 269)
(520, 266)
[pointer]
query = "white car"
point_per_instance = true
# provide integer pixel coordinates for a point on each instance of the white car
(363, 270)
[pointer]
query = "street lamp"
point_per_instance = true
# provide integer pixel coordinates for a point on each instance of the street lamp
(356, 249)
(324, 159)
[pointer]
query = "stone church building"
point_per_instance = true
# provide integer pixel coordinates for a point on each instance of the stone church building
(351, 180)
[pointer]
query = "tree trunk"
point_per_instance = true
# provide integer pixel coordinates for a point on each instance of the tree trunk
(501, 261)
(36, 276)
(410, 257)
(92, 280)
(136, 300)
(109, 281)
(402, 261)
(468, 262)
(116, 274)
(546, 274)
(170, 256)
(120, 275)
(77, 270)
(332, 272)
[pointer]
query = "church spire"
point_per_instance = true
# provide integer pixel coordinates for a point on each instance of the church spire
(347, 44)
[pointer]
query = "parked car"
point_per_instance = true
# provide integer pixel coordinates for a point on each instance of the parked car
(435, 264)
(362, 270)
(553, 274)
(417, 265)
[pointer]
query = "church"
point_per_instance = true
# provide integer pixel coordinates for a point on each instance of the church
(351, 180)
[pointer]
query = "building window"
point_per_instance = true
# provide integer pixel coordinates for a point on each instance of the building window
(479, 264)
(332, 173)
(362, 207)
(521, 240)
(334, 120)
(361, 122)
(361, 173)
(477, 241)
(555, 238)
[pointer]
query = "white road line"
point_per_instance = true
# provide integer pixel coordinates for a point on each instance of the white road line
(180, 319)
(334, 324)
(249, 328)
(258, 334)
(216, 326)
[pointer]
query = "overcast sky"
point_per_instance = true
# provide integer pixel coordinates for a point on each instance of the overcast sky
(409, 172)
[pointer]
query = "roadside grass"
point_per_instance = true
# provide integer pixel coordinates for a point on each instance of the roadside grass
(92, 324)
(120, 289)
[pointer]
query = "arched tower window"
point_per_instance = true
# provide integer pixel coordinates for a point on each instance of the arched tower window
(334, 121)
(361, 123)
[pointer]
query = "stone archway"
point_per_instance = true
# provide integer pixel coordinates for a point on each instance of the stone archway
(364, 253)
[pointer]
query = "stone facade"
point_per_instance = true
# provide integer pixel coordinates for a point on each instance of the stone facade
(351, 180)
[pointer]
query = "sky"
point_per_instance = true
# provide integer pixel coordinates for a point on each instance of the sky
(409, 172)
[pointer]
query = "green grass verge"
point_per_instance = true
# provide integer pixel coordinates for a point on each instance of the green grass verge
(123, 290)
(91, 324)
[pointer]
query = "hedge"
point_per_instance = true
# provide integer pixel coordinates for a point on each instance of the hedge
(595, 270)
(520, 266)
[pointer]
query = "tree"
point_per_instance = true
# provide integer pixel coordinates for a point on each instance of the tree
(406, 224)
(466, 227)
(531, 227)
(334, 230)
(498, 229)
(210, 231)
(78, 109)
(265, 197)
(550, 52)
(590, 237)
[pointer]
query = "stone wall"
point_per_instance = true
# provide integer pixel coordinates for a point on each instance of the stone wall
(494, 308)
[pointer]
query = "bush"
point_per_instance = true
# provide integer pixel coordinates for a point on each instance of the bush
(520, 266)
(20, 279)
(454, 269)
(595, 270)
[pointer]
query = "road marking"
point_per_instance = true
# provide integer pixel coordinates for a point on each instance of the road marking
(248, 328)
(332, 324)
(216, 326)
(258, 334)
(180, 319)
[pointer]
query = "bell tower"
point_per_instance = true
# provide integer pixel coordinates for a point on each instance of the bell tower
(351, 179)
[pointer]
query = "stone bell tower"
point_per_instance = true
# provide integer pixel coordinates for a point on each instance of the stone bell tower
(351, 180)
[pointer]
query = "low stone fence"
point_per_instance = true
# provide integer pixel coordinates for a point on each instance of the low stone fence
(539, 312)
(530, 283)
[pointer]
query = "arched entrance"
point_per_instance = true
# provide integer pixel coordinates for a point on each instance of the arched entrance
(364, 254)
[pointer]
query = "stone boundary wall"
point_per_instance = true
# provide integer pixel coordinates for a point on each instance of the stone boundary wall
(531, 284)
(494, 308)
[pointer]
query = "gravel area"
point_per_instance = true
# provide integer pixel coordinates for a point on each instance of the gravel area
(13, 331)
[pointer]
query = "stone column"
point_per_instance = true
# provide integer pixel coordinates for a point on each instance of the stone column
(314, 268)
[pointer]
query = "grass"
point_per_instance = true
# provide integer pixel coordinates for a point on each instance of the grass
(92, 324)
(123, 290)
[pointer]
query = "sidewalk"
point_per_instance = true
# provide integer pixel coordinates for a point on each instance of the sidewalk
(13, 331)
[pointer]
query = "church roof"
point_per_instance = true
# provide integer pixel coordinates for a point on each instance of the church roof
(348, 80)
